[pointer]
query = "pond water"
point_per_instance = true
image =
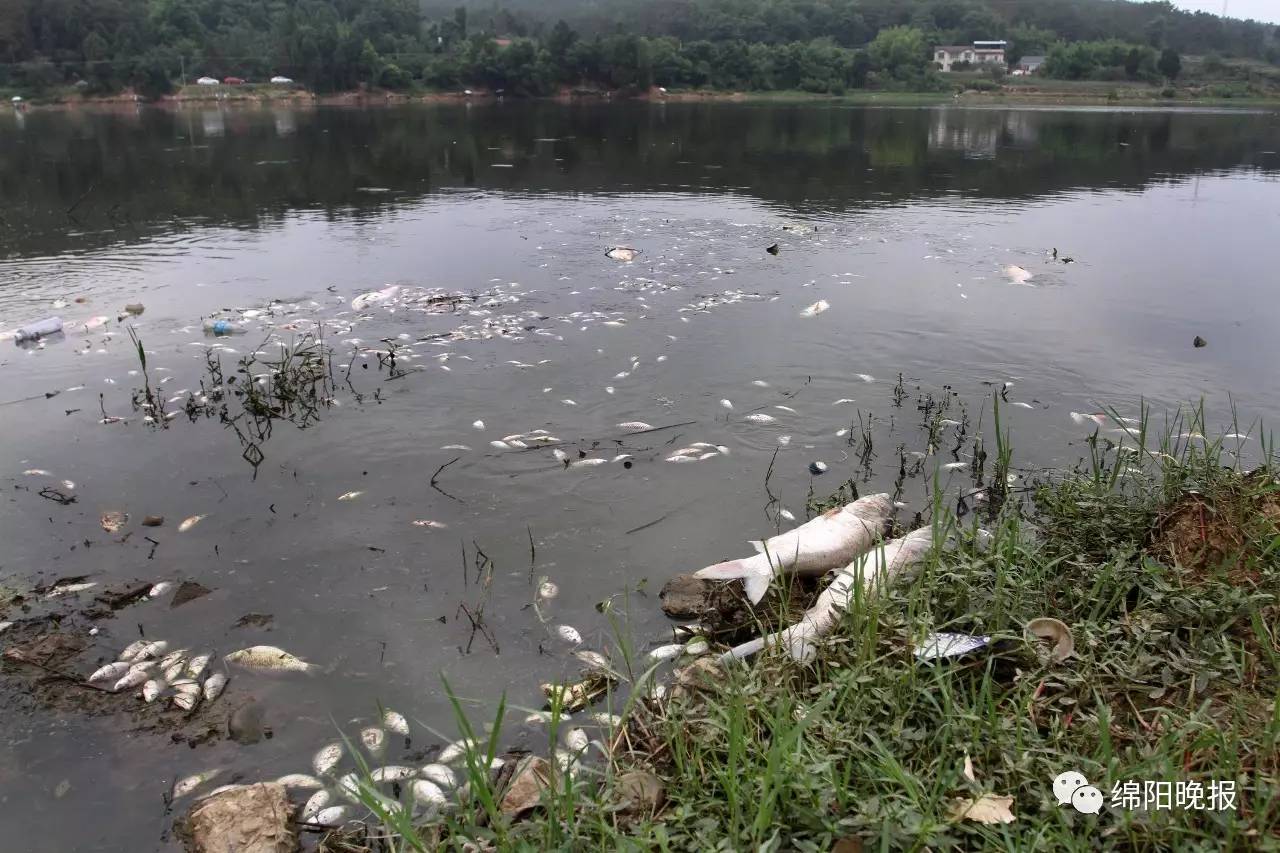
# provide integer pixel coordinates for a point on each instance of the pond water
(904, 221)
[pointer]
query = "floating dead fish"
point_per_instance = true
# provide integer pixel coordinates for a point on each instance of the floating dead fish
(454, 751)
(786, 409)
(622, 253)
(634, 426)
(949, 645)
(331, 816)
(816, 308)
(865, 377)
(327, 758)
(374, 740)
(478, 424)
(726, 404)
(622, 457)
(760, 418)
(153, 649)
(393, 721)
(392, 773)
(439, 774)
(134, 649)
(817, 467)
(589, 462)
(1017, 274)
(110, 672)
(270, 658)
(214, 685)
(300, 780)
(317, 803)
(955, 466)
(95, 323)
(1022, 405)
(113, 521)
(569, 634)
(188, 523)
(501, 445)
(787, 514)
(434, 525)
(349, 496)
(69, 589)
(819, 545)
(671, 651)
(455, 447)
(1097, 418)
(37, 472)
(547, 590)
(426, 792)
(174, 671)
(159, 589)
(576, 740)
(185, 786)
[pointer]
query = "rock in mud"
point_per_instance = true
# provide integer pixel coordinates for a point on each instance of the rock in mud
(247, 724)
(641, 792)
(188, 591)
(248, 819)
(254, 620)
(686, 597)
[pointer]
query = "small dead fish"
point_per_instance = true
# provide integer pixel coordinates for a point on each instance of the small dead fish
(786, 513)
(185, 786)
(455, 447)
(153, 650)
(175, 670)
(726, 404)
(214, 685)
(568, 402)
(110, 672)
(268, 657)
(501, 445)
(955, 466)
(589, 462)
(569, 634)
(622, 457)
(671, 651)
(478, 424)
(427, 792)
(70, 589)
(708, 455)
(159, 589)
(349, 496)
(865, 377)
(152, 689)
(842, 401)
(188, 523)
(760, 418)
(1022, 405)
(132, 650)
(1097, 418)
(196, 666)
(186, 694)
(37, 472)
(434, 525)
(132, 678)
(576, 740)
(318, 802)
(759, 383)
(327, 758)
(595, 662)
(392, 773)
(374, 740)
(634, 426)
(300, 780)
(1017, 274)
(610, 721)
(680, 457)
(547, 590)
(331, 816)
(816, 308)
(784, 440)
(452, 752)
(559, 454)
(622, 253)
(394, 721)
(439, 774)
(787, 409)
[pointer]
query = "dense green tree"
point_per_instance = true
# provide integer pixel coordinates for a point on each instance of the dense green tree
(1170, 63)
(900, 51)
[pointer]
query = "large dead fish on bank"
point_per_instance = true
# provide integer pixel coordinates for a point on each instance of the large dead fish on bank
(873, 571)
(816, 547)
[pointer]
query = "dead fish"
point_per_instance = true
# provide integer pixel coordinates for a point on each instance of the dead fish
(132, 650)
(816, 308)
(152, 689)
(560, 454)
(569, 634)
(175, 670)
(455, 447)
(842, 401)
(568, 402)
(1017, 274)
(681, 458)
(726, 404)
(478, 424)
(819, 545)
(589, 462)
(95, 323)
(327, 758)
(349, 496)
(132, 678)
(786, 513)
(817, 467)
(331, 816)
(784, 440)
(547, 590)
(185, 786)
(440, 775)
(153, 649)
(5, 626)
(374, 740)
(392, 773)
(300, 780)
(110, 672)
(787, 409)
(70, 589)
(188, 523)
(955, 466)
(196, 666)
(671, 651)
(1097, 418)
(159, 589)
(634, 426)
(37, 472)
(622, 253)
(576, 740)
(186, 694)
(452, 752)
(214, 685)
(113, 521)
(501, 445)
(759, 383)
(622, 457)
(594, 661)
(865, 377)
(318, 802)
(428, 793)
(434, 525)
(394, 721)
(268, 657)
(760, 418)
(1022, 405)
(697, 647)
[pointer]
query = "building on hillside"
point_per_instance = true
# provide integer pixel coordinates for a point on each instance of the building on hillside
(977, 54)
(1028, 65)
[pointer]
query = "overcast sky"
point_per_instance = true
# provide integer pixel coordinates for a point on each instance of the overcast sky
(1259, 10)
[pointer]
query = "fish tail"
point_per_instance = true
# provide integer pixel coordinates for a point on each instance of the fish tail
(754, 572)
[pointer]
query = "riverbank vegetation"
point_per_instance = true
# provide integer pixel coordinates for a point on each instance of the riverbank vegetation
(526, 48)
(1164, 568)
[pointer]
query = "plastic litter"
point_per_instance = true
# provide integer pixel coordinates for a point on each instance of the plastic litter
(39, 329)
(223, 327)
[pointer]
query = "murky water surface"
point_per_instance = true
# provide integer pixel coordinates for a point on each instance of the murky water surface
(903, 221)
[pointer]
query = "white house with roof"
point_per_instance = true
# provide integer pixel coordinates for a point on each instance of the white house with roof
(977, 54)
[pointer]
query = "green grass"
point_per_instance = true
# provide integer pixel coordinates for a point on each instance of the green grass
(1175, 678)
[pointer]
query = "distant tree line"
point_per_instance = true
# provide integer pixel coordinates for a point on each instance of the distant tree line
(539, 46)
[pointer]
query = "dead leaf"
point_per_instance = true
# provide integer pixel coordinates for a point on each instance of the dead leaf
(525, 790)
(113, 521)
(988, 808)
(968, 768)
(1056, 632)
(848, 844)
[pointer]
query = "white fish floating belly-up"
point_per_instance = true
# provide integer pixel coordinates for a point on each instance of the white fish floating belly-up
(1017, 274)
(819, 545)
(872, 571)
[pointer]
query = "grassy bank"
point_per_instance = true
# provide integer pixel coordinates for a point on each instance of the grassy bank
(1165, 565)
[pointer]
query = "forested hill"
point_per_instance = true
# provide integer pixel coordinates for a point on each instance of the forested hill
(537, 46)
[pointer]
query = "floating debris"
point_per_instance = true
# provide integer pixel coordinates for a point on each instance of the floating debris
(773, 250)
(113, 521)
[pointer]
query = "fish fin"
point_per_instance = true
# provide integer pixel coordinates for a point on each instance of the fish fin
(757, 585)
(757, 544)
(727, 571)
